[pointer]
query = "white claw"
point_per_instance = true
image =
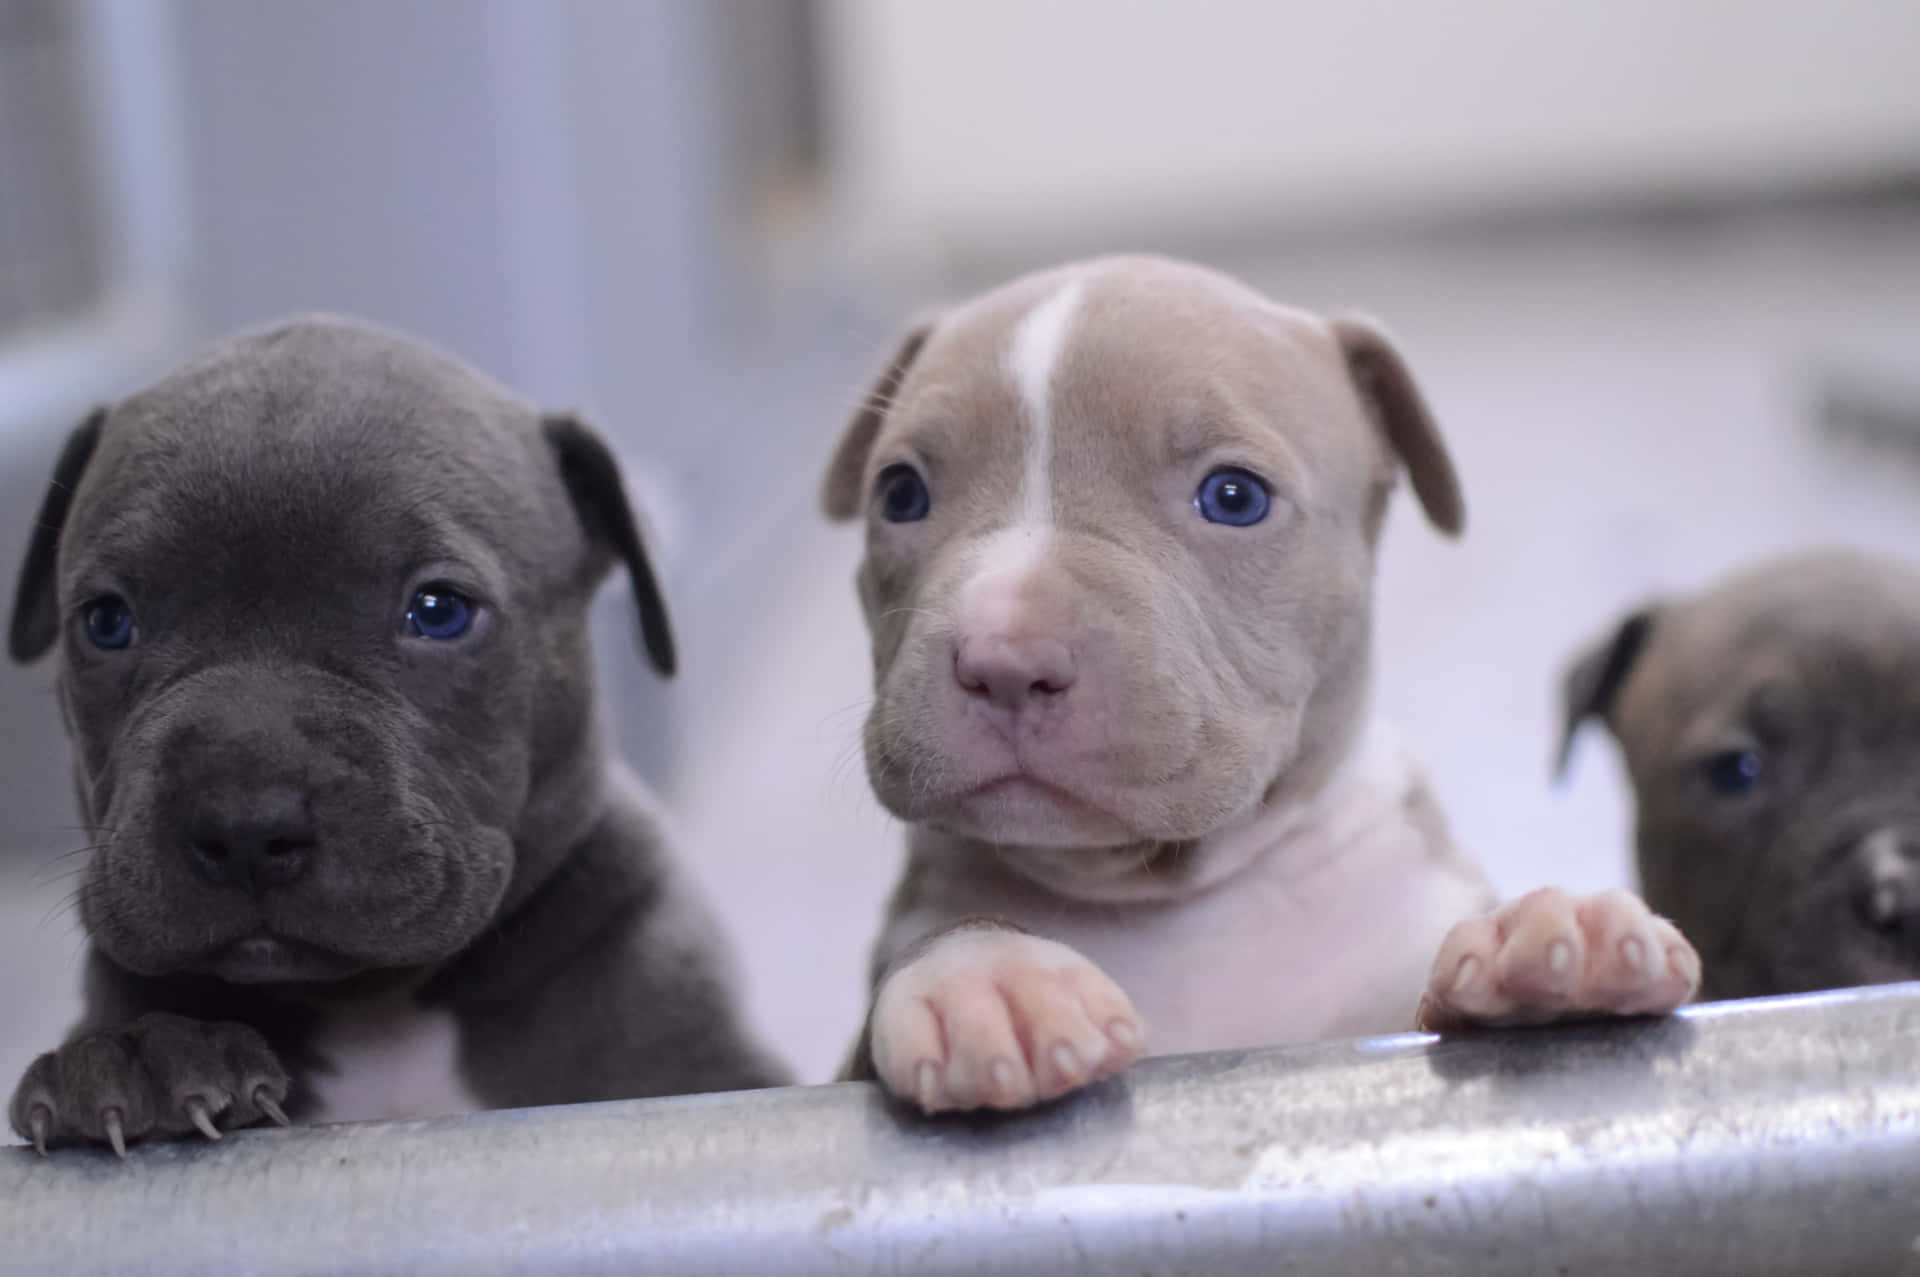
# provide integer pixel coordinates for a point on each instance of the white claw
(265, 1103)
(202, 1117)
(39, 1121)
(116, 1134)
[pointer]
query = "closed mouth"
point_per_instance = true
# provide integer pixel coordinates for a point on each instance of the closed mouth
(1003, 809)
(261, 957)
(1016, 783)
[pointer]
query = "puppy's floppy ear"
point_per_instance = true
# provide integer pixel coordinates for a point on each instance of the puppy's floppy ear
(36, 604)
(1389, 392)
(1595, 677)
(840, 495)
(592, 478)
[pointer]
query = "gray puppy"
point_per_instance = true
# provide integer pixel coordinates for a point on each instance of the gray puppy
(319, 603)
(1771, 726)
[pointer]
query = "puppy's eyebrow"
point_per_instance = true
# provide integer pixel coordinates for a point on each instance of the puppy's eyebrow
(1192, 436)
(111, 549)
(937, 413)
(1217, 436)
(1767, 708)
(909, 450)
(466, 560)
(1772, 707)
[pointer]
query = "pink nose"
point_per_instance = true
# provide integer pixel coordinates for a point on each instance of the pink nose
(1013, 673)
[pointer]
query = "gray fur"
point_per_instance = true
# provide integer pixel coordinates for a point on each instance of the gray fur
(455, 834)
(1207, 737)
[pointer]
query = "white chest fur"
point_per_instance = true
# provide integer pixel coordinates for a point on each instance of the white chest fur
(389, 1060)
(1328, 933)
(1267, 960)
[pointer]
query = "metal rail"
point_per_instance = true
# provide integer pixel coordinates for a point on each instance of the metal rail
(1774, 1136)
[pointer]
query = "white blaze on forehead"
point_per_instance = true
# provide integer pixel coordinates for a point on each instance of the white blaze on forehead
(1037, 342)
(1032, 354)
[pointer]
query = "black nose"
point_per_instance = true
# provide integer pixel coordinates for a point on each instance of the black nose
(254, 839)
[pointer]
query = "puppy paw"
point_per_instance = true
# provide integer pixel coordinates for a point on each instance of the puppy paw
(162, 1076)
(1552, 956)
(991, 1018)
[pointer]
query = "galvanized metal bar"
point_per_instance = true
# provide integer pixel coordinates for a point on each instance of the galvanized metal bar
(1774, 1136)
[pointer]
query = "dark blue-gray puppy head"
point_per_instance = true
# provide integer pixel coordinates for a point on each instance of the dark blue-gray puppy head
(1771, 726)
(320, 608)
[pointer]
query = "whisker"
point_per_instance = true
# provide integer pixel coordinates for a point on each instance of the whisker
(50, 881)
(911, 611)
(69, 902)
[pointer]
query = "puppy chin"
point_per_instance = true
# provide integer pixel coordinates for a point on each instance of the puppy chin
(1143, 844)
(1021, 811)
(262, 958)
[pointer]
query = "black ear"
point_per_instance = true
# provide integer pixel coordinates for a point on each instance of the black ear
(36, 603)
(1395, 401)
(840, 494)
(1595, 677)
(592, 477)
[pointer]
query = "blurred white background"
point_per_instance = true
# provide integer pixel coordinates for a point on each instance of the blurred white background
(1630, 247)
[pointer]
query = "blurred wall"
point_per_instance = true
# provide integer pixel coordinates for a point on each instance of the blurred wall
(966, 126)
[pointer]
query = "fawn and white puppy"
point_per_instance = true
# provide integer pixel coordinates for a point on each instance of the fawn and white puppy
(1121, 523)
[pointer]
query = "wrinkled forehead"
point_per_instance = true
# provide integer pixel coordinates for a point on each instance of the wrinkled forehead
(1146, 363)
(1174, 366)
(961, 387)
(1784, 665)
(341, 469)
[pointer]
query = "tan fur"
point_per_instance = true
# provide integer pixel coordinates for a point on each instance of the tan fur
(1200, 631)
(1168, 763)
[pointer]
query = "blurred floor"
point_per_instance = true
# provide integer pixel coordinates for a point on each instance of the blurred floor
(1628, 409)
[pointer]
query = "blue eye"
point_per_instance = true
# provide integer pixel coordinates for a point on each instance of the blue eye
(439, 612)
(903, 494)
(1233, 497)
(1734, 772)
(109, 623)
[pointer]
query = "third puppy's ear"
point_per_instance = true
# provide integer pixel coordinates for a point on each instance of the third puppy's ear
(1389, 392)
(36, 604)
(840, 494)
(1594, 680)
(592, 479)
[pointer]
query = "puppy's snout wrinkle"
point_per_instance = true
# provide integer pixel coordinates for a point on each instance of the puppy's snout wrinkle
(253, 839)
(1013, 672)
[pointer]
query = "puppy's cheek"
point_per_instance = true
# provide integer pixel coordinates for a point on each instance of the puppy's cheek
(885, 587)
(477, 869)
(127, 937)
(900, 646)
(886, 772)
(902, 742)
(112, 933)
(141, 911)
(900, 769)
(489, 886)
(408, 887)
(1167, 716)
(1223, 775)
(1814, 943)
